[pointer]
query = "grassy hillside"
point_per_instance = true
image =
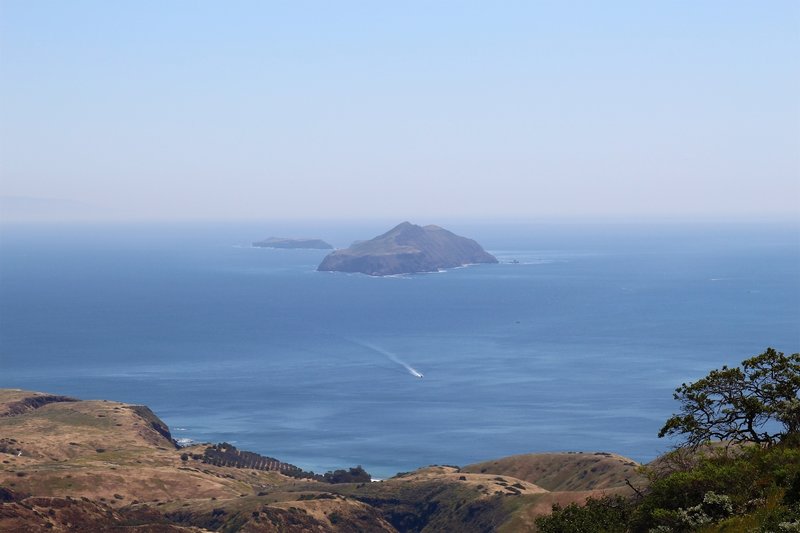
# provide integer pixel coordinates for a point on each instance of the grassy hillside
(569, 471)
(68, 464)
(98, 464)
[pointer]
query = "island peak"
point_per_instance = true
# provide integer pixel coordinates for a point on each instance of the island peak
(406, 249)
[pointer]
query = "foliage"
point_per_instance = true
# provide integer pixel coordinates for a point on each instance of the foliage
(752, 486)
(719, 486)
(755, 490)
(224, 454)
(712, 508)
(353, 475)
(608, 514)
(755, 403)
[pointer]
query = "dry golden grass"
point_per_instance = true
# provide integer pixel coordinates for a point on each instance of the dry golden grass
(120, 456)
(97, 449)
(558, 472)
(486, 484)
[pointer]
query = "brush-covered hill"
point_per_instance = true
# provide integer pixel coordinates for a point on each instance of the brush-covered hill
(99, 465)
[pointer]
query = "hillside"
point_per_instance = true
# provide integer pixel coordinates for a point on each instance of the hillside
(71, 464)
(568, 471)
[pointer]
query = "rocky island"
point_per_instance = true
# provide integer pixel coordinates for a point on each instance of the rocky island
(294, 244)
(407, 249)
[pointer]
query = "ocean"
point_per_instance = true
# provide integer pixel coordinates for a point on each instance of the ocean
(574, 342)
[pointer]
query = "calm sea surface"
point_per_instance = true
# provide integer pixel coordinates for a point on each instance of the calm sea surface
(576, 347)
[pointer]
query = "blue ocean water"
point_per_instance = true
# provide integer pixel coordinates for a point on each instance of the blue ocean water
(578, 346)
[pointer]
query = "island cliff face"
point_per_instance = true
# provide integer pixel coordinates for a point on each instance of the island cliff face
(406, 249)
(282, 242)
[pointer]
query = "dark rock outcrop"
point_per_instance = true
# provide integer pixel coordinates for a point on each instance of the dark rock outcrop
(406, 249)
(155, 423)
(296, 244)
(32, 402)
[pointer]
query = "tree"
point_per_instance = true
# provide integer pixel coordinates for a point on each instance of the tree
(609, 514)
(757, 402)
(354, 475)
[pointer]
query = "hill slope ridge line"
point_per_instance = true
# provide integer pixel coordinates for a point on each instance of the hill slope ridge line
(565, 471)
(31, 403)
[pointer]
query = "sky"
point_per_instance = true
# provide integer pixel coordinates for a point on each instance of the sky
(412, 110)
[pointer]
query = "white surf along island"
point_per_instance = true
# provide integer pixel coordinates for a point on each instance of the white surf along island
(407, 249)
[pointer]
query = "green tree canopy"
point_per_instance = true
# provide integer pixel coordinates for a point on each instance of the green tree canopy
(757, 402)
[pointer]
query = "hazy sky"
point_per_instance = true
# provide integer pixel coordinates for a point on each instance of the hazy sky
(414, 110)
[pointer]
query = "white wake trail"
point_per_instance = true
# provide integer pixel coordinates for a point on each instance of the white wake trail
(391, 357)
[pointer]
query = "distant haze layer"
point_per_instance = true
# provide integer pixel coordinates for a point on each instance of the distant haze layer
(153, 110)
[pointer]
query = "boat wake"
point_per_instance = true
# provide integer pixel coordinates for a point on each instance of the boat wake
(391, 357)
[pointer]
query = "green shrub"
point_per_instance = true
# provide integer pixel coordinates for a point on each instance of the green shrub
(608, 514)
(719, 486)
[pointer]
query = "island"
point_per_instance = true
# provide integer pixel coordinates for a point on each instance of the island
(293, 244)
(407, 249)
